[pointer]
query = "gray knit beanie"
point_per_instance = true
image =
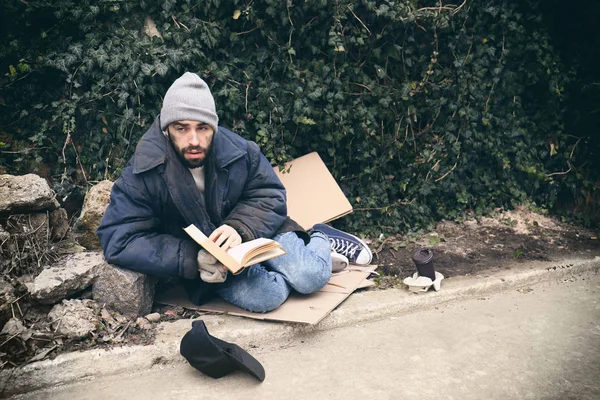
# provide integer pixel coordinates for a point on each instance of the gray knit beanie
(189, 98)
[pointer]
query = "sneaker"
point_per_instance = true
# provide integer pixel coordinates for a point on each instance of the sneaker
(338, 262)
(348, 245)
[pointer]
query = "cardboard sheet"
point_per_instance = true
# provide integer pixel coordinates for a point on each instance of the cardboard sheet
(367, 283)
(313, 195)
(308, 309)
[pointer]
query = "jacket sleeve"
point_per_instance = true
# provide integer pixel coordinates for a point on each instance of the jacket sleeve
(261, 209)
(130, 235)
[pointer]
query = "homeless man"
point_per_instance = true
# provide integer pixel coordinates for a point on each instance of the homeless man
(188, 170)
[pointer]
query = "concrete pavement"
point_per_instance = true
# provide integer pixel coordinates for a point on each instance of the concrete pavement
(541, 342)
(365, 356)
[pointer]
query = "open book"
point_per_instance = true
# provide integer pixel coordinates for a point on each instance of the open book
(241, 256)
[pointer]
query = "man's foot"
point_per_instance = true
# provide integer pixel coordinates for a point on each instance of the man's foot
(348, 245)
(338, 262)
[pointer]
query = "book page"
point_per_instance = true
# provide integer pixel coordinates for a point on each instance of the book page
(263, 256)
(238, 257)
(210, 246)
(244, 251)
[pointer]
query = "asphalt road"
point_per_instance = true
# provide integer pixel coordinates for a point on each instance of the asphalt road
(537, 343)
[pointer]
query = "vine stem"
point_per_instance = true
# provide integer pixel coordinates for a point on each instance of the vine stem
(396, 203)
(359, 20)
(568, 162)
(447, 173)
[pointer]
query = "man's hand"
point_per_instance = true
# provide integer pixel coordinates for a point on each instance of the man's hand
(226, 237)
(211, 270)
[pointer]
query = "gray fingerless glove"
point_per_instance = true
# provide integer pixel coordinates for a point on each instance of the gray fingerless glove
(211, 270)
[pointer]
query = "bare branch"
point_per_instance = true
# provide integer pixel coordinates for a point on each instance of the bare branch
(447, 173)
(359, 20)
(396, 203)
(568, 162)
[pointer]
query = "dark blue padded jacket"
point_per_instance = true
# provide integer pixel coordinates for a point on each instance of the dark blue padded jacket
(156, 196)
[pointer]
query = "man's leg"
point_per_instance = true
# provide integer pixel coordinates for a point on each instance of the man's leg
(306, 268)
(255, 289)
(264, 287)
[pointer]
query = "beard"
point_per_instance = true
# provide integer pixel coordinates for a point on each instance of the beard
(190, 161)
(196, 155)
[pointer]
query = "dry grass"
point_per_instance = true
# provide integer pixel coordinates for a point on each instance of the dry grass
(28, 248)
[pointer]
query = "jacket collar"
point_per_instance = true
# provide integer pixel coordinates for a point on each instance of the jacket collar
(151, 151)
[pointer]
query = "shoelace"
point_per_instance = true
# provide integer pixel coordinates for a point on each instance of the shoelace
(344, 247)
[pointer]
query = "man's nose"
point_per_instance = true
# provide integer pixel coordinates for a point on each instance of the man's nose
(195, 138)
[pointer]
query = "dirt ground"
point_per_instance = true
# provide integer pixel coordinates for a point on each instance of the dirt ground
(481, 246)
(468, 248)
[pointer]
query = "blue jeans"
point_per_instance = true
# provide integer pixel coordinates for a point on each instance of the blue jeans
(264, 287)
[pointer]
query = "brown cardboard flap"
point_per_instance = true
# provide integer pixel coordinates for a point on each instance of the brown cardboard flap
(366, 283)
(313, 195)
(308, 309)
(345, 282)
(295, 309)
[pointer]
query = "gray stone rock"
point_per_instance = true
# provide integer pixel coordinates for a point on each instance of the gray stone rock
(25, 193)
(127, 292)
(13, 327)
(75, 319)
(143, 324)
(68, 276)
(154, 317)
(59, 224)
(94, 206)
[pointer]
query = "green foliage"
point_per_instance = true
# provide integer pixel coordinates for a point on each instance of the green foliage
(518, 252)
(433, 240)
(420, 111)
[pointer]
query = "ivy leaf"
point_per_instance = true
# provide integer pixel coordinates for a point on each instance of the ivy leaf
(146, 69)
(306, 121)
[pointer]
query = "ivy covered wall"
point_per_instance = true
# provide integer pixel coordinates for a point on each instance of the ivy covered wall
(422, 110)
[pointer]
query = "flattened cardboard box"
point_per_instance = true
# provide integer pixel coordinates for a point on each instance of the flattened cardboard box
(308, 309)
(313, 195)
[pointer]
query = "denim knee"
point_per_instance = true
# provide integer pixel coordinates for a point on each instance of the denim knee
(306, 268)
(314, 278)
(255, 290)
(265, 303)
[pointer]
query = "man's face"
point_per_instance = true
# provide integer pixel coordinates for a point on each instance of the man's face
(192, 141)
